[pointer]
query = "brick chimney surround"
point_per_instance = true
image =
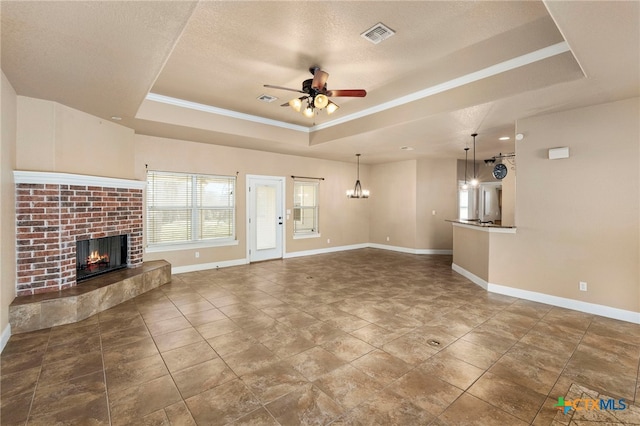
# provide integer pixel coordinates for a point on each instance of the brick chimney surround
(54, 210)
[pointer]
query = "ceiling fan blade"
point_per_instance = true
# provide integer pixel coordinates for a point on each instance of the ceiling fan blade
(358, 93)
(319, 79)
(271, 86)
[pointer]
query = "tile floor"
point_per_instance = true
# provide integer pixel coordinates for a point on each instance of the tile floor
(360, 337)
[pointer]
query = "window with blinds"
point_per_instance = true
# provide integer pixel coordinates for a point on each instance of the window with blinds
(184, 208)
(305, 208)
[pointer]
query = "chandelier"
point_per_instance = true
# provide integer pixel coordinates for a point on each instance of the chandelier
(357, 191)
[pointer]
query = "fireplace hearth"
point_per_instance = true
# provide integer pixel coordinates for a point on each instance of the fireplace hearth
(100, 255)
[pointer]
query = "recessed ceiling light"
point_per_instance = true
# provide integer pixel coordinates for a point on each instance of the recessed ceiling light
(406, 148)
(266, 98)
(116, 118)
(505, 138)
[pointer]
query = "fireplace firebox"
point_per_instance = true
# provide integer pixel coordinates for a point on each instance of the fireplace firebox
(100, 255)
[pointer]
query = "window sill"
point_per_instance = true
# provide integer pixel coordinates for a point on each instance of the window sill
(305, 236)
(188, 246)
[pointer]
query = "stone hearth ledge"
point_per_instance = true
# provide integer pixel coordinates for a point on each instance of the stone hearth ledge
(40, 311)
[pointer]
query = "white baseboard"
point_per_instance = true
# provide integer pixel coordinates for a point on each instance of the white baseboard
(409, 250)
(562, 302)
(471, 277)
(238, 262)
(207, 266)
(6, 333)
(324, 250)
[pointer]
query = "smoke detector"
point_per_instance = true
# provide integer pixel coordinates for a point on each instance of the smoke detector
(378, 33)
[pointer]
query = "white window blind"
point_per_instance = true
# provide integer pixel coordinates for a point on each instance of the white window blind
(305, 208)
(184, 208)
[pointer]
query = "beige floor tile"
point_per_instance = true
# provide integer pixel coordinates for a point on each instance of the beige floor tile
(176, 339)
(79, 401)
(348, 386)
(517, 400)
(425, 391)
(245, 345)
(133, 373)
(15, 409)
(274, 381)
(472, 411)
(315, 362)
(188, 356)
(410, 349)
(386, 408)
(307, 405)
(347, 348)
(476, 355)
(256, 357)
(129, 352)
(451, 370)
(223, 404)
(131, 404)
(178, 414)
(382, 366)
(66, 369)
(201, 377)
(166, 326)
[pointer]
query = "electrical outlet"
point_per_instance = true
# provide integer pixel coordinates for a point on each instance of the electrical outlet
(433, 212)
(197, 254)
(328, 240)
(583, 286)
(387, 238)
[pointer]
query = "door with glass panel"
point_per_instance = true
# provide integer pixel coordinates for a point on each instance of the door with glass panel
(265, 227)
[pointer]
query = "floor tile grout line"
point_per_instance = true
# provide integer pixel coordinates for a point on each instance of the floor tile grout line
(35, 388)
(104, 374)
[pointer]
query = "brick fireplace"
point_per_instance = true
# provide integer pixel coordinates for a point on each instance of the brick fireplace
(54, 210)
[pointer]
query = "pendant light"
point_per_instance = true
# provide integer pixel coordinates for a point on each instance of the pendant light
(474, 181)
(466, 153)
(357, 191)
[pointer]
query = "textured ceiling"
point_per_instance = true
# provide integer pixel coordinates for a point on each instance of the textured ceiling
(451, 69)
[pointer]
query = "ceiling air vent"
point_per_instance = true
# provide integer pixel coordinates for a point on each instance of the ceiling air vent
(377, 33)
(267, 98)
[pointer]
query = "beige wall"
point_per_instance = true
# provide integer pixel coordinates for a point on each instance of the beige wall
(342, 220)
(393, 203)
(577, 219)
(55, 138)
(8, 113)
(471, 250)
(436, 191)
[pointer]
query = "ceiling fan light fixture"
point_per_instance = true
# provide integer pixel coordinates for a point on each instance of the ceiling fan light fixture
(332, 107)
(308, 111)
(296, 104)
(320, 101)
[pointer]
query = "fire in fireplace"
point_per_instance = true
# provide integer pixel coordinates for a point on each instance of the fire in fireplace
(100, 255)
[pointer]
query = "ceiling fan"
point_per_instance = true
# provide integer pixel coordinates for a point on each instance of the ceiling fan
(316, 94)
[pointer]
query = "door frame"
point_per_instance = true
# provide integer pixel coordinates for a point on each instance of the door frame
(283, 186)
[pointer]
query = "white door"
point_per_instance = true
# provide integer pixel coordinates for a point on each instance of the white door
(265, 224)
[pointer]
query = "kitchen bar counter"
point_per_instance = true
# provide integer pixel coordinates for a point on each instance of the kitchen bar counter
(475, 245)
(488, 227)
